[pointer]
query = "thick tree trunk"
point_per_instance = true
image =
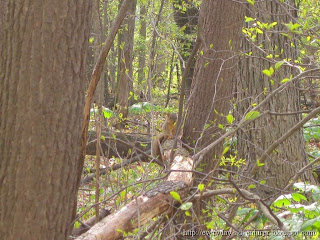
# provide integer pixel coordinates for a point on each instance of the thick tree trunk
(220, 23)
(41, 99)
(253, 86)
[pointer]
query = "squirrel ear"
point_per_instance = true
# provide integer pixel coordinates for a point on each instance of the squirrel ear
(168, 114)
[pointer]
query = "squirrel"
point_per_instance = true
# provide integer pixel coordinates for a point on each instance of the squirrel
(168, 131)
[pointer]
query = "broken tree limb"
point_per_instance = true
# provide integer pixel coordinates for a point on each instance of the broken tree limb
(151, 204)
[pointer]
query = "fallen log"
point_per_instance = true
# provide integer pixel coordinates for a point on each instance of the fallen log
(125, 163)
(85, 226)
(118, 144)
(149, 205)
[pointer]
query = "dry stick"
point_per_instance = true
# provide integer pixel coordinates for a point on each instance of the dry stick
(97, 163)
(95, 77)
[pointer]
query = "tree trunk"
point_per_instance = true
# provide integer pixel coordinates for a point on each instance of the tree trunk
(152, 57)
(3, 11)
(125, 62)
(97, 33)
(220, 23)
(253, 86)
(188, 20)
(42, 72)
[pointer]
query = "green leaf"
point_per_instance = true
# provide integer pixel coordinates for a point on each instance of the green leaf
(252, 115)
(269, 72)
(282, 201)
(258, 30)
(278, 64)
(103, 137)
(230, 118)
(297, 197)
(201, 187)
(248, 19)
(251, 2)
(259, 164)
(186, 206)
(107, 113)
(251, 186)
(225, 150)
(285, 80)
(176, 196)
(187, 213)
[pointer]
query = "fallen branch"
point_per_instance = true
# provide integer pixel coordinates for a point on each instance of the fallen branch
(151, 204)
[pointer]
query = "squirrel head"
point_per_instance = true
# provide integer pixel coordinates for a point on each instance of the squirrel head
(172, 117)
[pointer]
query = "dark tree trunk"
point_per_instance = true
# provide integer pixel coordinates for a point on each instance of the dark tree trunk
(253, 86)
(41, 99)
(213, 76)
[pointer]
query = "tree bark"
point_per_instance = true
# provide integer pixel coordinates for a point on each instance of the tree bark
(3, 11)
(42, 87)
(220, 29)
(253, 86)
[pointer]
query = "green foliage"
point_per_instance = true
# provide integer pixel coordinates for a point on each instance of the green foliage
(302, 208)
(230, 118)
(252, 115)
(232, 161)
(142, 107)
(201, 187)
(176, 196)
(311, 129)
(269, 72)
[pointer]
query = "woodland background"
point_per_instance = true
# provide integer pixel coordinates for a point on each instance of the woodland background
(85, 85)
